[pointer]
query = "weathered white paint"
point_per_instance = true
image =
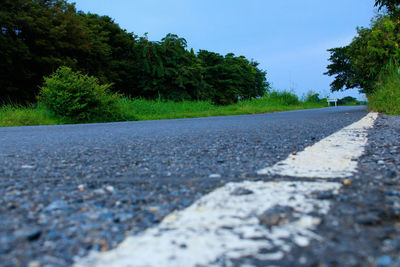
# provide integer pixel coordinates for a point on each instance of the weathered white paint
(334, 156)
(222, 225)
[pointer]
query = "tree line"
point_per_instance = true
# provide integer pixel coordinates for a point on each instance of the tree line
(39, 36)
(361, 63)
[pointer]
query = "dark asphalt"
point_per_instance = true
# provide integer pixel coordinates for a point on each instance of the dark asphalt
(66, 190)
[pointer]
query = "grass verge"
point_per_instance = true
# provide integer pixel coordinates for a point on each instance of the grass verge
(386, 98)
(14, 115)
(158, 110)
(17, 115)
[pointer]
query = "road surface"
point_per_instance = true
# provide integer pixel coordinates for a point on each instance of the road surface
(71, 190)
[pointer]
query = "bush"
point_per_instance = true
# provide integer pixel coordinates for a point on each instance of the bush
(311, 97)
(283, 98)
(348, 101)
(79, 97)
(386, 97)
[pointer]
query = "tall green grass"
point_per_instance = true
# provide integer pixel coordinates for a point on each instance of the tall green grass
(18, 115)
(386, 98)
(156, 109)
(140, 109)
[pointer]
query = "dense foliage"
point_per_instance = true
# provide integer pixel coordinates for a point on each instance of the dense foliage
(349, 100)
(229, 78)
(359, 64)
(39, 36)
(36, 36)
(392, 6)
(313, 97)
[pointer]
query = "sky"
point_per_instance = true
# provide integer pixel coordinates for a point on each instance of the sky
(289, 38)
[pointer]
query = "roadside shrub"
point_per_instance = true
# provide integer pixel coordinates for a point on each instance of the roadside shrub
(311, 97)
(348, 101)
(284, 98)
(79, 97)
(386, 97)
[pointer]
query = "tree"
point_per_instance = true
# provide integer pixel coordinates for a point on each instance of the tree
(359, 64)
(39, 36)
(348, 100)
(167, 70)
(181, 77)
(36, 37)
(392, 6)
(111, 56)
(231, 78)
(341, 68)
(249, 80)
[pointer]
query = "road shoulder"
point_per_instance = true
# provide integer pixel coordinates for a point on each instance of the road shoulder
(363, 225)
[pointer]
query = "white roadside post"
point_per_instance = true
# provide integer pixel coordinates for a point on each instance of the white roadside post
(332, 100)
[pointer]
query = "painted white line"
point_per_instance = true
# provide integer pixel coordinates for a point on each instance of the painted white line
(334, 156)
(240, 219)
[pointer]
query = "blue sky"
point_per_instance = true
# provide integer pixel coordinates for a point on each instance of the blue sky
(289, 38)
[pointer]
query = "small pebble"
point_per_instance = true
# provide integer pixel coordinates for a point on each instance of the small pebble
(27, 166)
(99, 191)
(325, 195)
(384, 261)
(57, 205)
(303, 260)
(368, 220)
(347, 182)
(393, 193)
(240, 191)
(301, 241)
(34, 235)
(396, 244)
(153, 209)
(276, 216)
(391, 174)
(34, 264)
(110, 188)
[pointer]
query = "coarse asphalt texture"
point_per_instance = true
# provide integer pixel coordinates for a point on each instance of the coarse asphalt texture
(363, 226)
(68, 190)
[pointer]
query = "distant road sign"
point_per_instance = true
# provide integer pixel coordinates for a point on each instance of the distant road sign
(329, 100)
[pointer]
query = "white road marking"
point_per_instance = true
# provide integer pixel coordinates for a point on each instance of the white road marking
(334, 156)
(224, 225)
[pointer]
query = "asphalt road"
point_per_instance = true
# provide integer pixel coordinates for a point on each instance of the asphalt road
(230, 146)
(67, 190)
